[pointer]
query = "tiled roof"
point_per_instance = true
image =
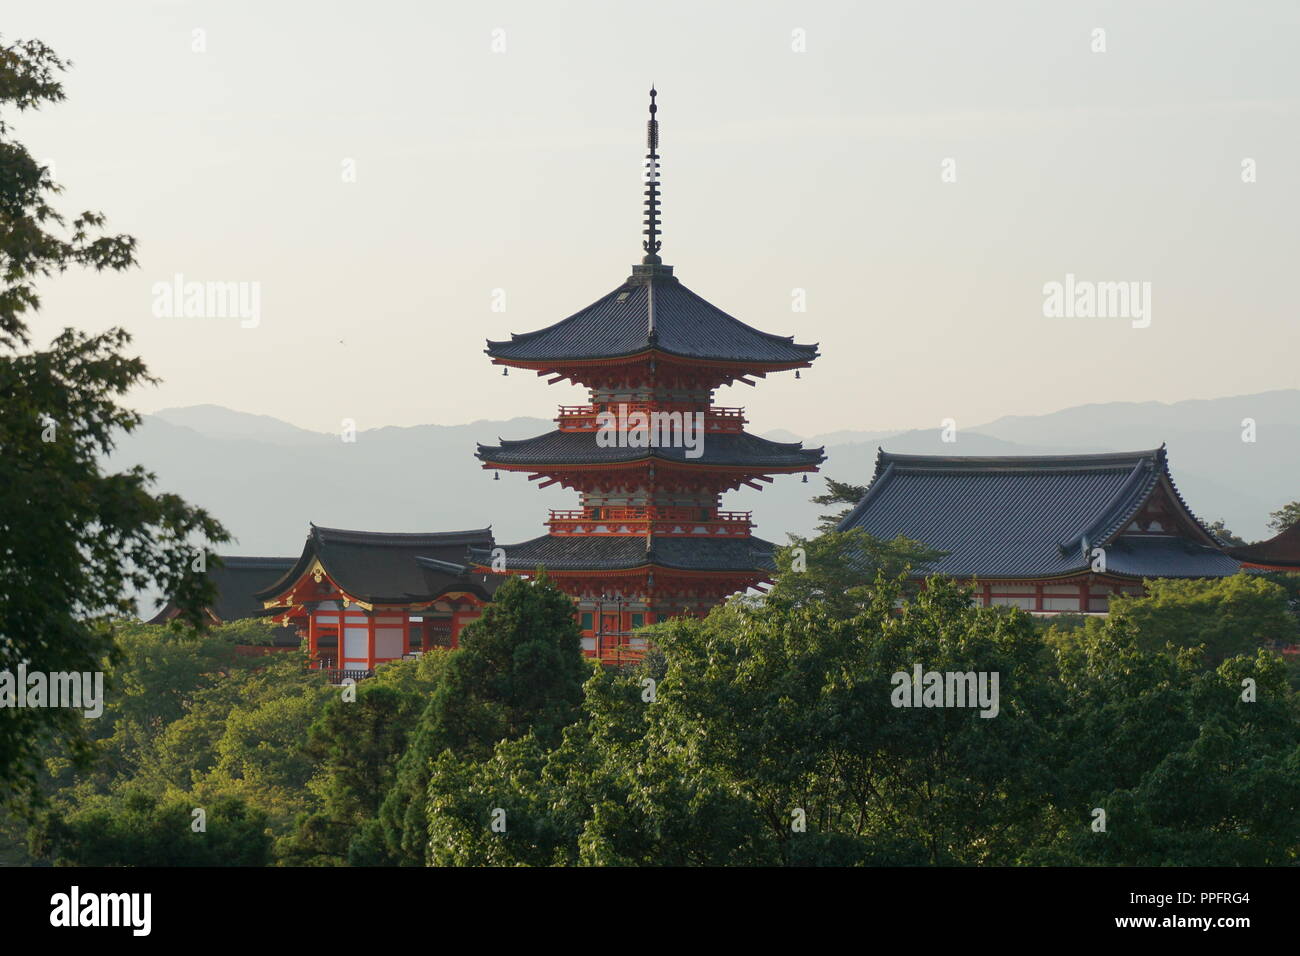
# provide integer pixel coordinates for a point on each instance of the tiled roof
(575, 448)
(390, 568)
(621, 552)
(236, 579)
(652, 311)
(1282, 549)
(1159, 557)
(1030, 516)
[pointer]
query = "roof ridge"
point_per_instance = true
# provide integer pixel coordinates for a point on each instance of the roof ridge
(1178, 495)
(402, 535)
(451, 567)
(1109, 516)
(1153, 456)
(250, 558)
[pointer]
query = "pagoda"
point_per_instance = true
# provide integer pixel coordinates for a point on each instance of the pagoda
(650, 454)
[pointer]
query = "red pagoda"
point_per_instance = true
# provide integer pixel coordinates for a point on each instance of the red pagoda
(650, 455)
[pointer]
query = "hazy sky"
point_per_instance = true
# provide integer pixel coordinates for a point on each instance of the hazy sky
(819, 170)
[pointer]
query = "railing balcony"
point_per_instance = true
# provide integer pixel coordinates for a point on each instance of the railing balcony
(686, 522)
(617, 646)
(337, 675)
(585, 418)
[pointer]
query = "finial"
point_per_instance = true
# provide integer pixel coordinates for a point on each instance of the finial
(652, 243)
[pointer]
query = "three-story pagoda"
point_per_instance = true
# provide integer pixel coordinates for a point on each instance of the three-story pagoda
(650, 538)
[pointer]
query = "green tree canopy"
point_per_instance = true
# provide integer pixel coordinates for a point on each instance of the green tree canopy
(1220, 530)
(837, 493)
(78, 541)
(519, 669)
(772, 737)
(1226, 616)
(1285, 517)
(841, 568)
(137, 829)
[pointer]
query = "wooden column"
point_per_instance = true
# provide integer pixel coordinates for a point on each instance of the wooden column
(370, 641)
(312, 637)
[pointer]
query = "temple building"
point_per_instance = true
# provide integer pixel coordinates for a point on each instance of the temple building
(1047, 534)
(362, 598)
(650, 455)
(1279, 553)
(356, 599)
(236, 580)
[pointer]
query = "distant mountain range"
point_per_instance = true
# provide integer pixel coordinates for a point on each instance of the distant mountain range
(266, 479)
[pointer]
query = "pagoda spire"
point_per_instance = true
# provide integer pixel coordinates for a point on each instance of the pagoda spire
(652, 243)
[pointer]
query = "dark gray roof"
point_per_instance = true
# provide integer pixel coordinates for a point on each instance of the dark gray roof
(621, 552)
(1159, 557)
(389, 567)
(237, 579)
(717, 448)
(652, 312)
(1032, 516)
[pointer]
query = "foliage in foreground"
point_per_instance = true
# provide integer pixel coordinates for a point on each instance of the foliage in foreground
(514, 750)
(78, 541)
(765, 717)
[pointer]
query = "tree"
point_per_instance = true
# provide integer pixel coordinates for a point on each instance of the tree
(519, 669)
(157, 676)
(774, 737)
(137, 829)
(1188, 767)
(841, 568)
(837, 493)
(1222, 616)
(1220, 530)
(355, 744)
(77, 540)
(1284, 517)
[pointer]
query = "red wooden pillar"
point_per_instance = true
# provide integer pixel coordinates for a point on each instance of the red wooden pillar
(370, 641)
(1084, 595)
(312, 637)
(1038, 597)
